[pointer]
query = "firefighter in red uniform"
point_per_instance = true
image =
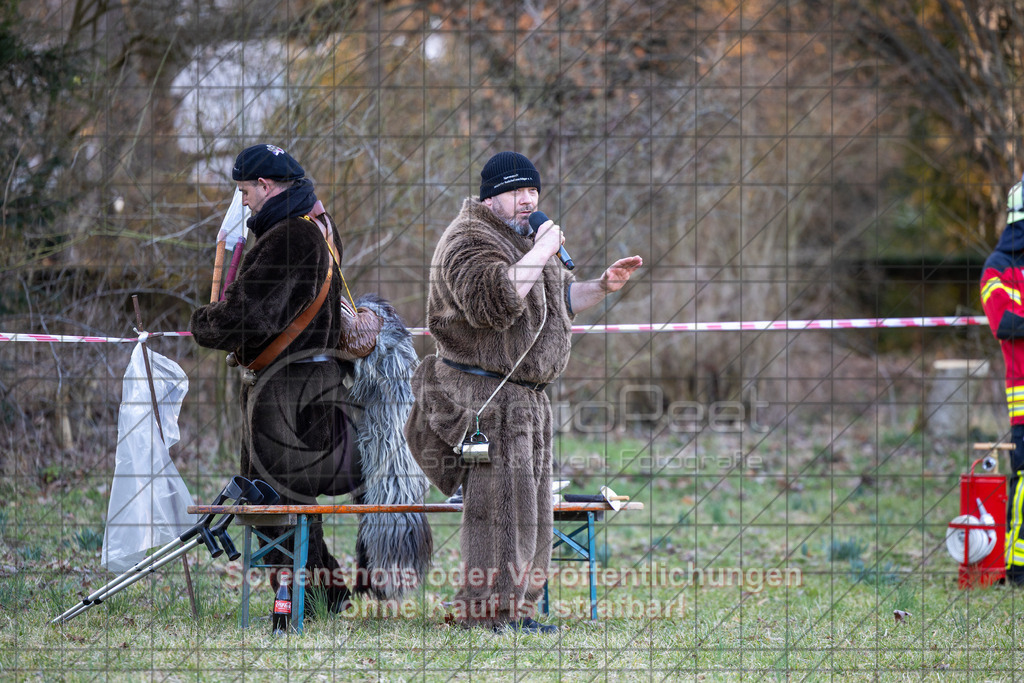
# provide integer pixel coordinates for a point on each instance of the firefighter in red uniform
(1002, 296)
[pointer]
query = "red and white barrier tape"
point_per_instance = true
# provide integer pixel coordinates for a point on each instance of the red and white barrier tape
(756, 325)
(749, 326)
(73, 339)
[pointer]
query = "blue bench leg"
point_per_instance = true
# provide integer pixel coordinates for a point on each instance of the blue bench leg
(299, 555)
(592, 560)
(586, 553)
(299, 568)
(246, 566)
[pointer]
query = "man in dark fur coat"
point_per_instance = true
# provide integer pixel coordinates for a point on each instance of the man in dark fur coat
(298, 432)
(499, 306)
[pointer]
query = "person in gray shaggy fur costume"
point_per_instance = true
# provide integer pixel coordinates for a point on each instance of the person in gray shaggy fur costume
(299, 427)
(497, 293)
(393, 548)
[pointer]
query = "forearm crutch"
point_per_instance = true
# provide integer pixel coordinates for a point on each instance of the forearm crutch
(239, 489)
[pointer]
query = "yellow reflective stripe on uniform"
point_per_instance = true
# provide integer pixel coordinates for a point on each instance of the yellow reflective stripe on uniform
(1015, 401)
(1015, 550)
(986, 288)
(1015, 555)
(992, 286)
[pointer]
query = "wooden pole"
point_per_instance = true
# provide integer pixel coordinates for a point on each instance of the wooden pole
(218, 271)
(160, 428)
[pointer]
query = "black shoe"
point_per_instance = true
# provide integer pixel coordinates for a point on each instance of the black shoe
(456, 497)
(527, 625)
(340, 599)
(1015, 576)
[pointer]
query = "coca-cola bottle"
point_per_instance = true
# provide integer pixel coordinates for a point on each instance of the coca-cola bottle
(282, 614)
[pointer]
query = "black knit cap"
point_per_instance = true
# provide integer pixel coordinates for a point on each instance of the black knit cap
(507, 171)
(266, 161)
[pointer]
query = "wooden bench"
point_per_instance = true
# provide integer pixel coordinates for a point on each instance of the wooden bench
(296, 519)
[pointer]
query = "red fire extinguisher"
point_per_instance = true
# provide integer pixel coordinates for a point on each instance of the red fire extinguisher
(977, 537)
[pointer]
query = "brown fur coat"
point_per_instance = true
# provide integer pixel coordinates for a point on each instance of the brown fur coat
(476, 318)
(298, 433)
(280, 275)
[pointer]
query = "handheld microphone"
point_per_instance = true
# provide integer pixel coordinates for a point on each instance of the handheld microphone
(537, 219)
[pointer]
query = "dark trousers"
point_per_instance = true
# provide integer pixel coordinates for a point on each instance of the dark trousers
(299, 436)
(1015, 507)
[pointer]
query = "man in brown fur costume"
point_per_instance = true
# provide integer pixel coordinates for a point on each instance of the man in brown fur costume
(298, 432)
(498, 295)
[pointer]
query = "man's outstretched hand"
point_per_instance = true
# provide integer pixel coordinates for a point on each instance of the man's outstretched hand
(618, 273)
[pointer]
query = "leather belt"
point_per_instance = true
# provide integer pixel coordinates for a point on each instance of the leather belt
(250, 376)
(473, 370)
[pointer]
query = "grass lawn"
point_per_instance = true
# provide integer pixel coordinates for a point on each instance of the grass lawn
(779, 554)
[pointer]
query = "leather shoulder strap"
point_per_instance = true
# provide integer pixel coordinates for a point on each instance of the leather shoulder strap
(321, 219)
(300, 323)
(293, 330)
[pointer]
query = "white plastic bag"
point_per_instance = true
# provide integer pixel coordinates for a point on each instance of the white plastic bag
(232, 227)
(148, 497)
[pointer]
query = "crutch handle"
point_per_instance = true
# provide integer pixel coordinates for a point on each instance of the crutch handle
(211, 545)
(221, 532)
(227, 545)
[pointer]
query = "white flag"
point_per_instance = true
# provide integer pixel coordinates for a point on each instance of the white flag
(148, 497)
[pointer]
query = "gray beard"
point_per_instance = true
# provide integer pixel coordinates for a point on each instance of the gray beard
(525, 231)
